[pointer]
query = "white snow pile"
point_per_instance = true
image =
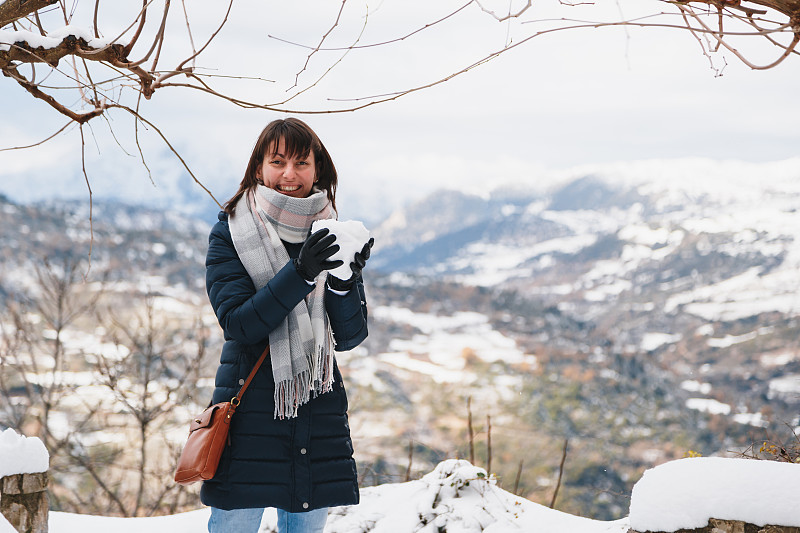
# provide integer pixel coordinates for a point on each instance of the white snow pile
(686, 493)
(21, 455)
(458, 498)
(351, 236)
(51, 40)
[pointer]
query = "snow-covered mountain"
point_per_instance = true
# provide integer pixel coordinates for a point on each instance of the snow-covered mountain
(721, 241)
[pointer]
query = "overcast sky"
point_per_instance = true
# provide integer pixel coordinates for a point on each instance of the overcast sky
(560, 100)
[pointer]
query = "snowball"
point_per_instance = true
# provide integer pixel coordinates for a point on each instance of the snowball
(686, 493)
(21, 455)
(351, 236)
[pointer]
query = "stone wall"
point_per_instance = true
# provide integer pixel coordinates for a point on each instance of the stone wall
(23, 501)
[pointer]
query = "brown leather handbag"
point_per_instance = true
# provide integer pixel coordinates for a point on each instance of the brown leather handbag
(208, 434)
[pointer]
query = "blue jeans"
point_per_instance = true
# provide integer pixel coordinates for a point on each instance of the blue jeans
(248, 521)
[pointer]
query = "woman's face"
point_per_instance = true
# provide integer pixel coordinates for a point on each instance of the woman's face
(290, 176)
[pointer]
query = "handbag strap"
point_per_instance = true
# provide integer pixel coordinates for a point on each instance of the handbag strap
(236, 400)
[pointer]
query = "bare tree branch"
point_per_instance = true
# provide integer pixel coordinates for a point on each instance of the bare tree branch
(510, 15)
(37, 93)
(13, 10)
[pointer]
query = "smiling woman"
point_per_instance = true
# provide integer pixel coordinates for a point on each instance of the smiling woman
(268, 283)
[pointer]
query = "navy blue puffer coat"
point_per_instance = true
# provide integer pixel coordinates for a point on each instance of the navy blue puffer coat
(296, 464)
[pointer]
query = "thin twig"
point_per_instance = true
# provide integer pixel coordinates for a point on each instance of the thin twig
(161, 35)
(470, 432)
(181, 67)
(371, 45)
(143, 15)
(40, 142)
(410, 459)
(314, 51)
(169, 145)
(497, 17)
(189, 31)
(330, 68)
(89, 188)
(136, 138)
(96, 9)
(560, 473)
(516, 480)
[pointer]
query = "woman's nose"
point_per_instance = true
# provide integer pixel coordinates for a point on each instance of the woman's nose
(288, 170)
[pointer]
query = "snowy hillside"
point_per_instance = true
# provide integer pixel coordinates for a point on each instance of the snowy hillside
(608, 225)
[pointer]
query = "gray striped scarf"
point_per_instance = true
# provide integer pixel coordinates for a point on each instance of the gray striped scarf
(301, 347)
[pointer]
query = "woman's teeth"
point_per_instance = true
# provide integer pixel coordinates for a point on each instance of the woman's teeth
(287, 188)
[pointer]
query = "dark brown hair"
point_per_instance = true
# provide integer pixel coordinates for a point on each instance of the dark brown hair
(299, 140)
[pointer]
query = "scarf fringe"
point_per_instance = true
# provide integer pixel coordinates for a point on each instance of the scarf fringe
(291, 394)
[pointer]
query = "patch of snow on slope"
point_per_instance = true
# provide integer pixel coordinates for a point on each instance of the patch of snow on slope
(708, 405)
(785, 386)
(741, 296)
(493, 264)
(652, 341)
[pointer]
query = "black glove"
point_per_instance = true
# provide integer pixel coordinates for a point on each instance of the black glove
(314, 255)
(359, 260)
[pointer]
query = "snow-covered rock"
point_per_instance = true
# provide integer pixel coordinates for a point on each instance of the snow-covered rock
(21, 455)
(687, 493)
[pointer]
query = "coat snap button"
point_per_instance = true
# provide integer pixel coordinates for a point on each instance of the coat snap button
(303, 451)
(241, 382)
(305, 505)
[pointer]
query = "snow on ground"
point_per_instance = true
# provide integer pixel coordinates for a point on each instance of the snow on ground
(744, 295)
(5, 527)
(785, 386)
(456, 497)
(708, 405)
(493, 264)
(654, 340)
(460, 498)
(444, 338)
(696, 386)
(191, 522)
(688, 492)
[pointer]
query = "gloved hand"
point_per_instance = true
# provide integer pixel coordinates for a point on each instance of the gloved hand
(314, 255)
(357, 265)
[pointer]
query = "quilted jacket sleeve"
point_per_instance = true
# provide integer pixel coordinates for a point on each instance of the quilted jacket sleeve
(348, 316)
(245, 314)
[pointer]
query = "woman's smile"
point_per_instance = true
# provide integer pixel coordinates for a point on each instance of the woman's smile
(290, 175)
